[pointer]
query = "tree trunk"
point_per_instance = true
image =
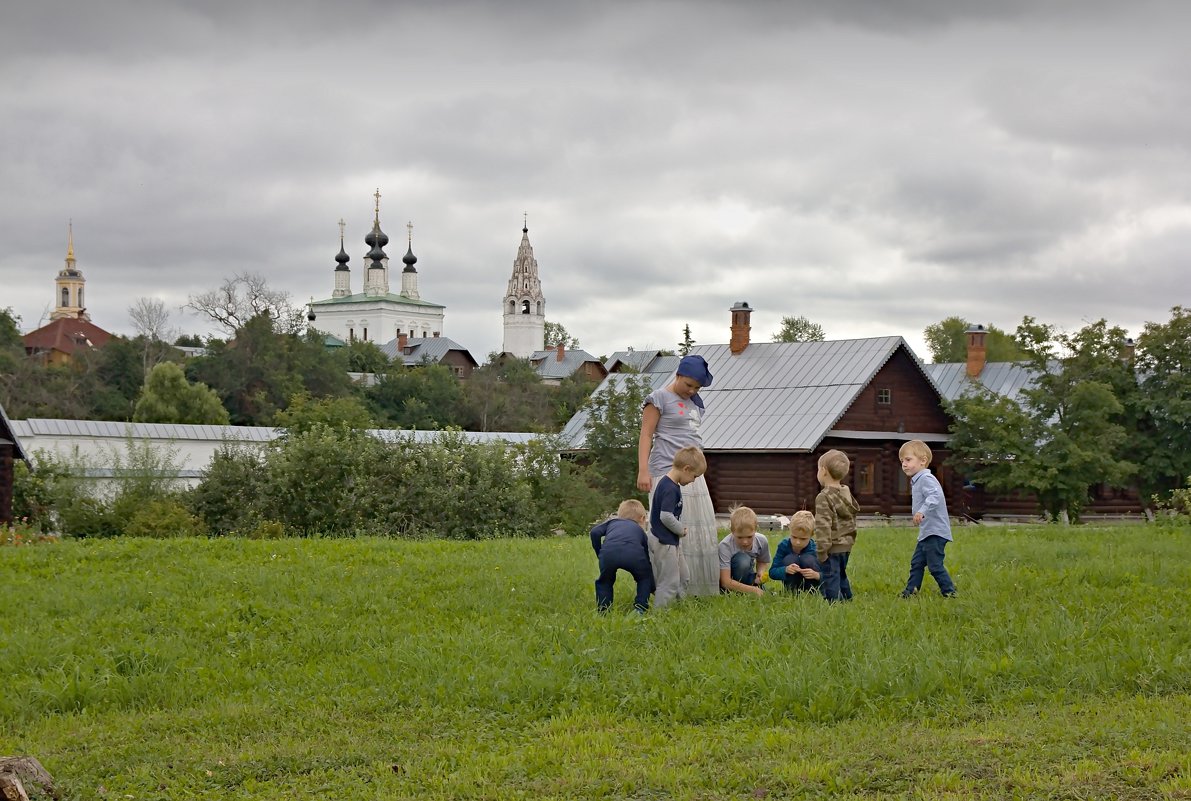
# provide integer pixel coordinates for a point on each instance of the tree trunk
(15, 769)
(11, 788)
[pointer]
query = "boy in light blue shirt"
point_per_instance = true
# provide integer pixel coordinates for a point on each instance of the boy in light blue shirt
(930, 513)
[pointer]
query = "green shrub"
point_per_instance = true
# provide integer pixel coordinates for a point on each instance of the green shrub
(164, 518)
(267, 530)
(314, 478)
(1175, 510)
(86, 516)
(34, 490)
(228, 498)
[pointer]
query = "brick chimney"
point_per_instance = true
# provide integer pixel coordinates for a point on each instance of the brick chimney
(740, 327)
(402, 342)
(977, 355)
(562, 351)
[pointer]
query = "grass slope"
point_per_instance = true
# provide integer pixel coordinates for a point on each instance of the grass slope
(377, 669)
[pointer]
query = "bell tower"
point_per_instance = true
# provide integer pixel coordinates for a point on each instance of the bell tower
(524, 303)
(68, 294)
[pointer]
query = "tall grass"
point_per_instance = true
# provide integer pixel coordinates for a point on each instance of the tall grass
(404, 669)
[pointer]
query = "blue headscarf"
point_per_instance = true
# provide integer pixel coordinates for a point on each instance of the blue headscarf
(695, 368)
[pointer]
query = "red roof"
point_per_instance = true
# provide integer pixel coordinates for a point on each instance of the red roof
(66, 335)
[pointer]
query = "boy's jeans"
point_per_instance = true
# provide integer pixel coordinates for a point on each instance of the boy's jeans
(928, 555)
(834, 583)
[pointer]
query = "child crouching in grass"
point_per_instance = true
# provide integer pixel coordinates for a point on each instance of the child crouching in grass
(620, 544)
(796, 564)
(744, 556)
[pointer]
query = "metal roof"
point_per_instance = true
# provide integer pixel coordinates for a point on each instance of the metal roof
(433, 349)
(362, 297)
(105, 429)
(776, 395)
(547, 364)
(1003, 378)
(574, 433)
(639, 360)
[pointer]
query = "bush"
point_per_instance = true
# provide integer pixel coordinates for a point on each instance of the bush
(228, 498)
(1176, 509)
(86, 516)
(450, 488)
(34, 491)
(164, 518)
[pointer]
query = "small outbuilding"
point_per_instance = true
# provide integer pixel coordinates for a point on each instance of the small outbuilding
(10, 452)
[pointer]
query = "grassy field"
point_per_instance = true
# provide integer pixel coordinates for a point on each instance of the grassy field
(376, 669)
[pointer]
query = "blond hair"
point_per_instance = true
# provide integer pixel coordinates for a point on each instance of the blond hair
(803, 521)
(915, 447)
(691, 457)
(632, 509)
(742, 518)
(836, 463)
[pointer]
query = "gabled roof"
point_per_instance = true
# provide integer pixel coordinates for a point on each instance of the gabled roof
(432, 349)
(547, 364)
(1003, 378)
(643, 361)
(778, 395)
(8, 434)
(66, 335)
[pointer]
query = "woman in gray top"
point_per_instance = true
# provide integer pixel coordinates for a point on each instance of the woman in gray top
(670, 420)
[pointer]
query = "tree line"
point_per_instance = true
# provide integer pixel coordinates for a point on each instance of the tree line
(253, 375)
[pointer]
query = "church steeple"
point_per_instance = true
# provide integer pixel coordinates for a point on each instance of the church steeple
(376, 279)
(69, 302)
(343, 274)
(524, 303)
(409, 276)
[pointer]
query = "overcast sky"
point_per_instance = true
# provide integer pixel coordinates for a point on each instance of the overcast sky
(875, 166)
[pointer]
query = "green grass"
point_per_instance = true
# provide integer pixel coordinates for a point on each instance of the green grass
(376, 669)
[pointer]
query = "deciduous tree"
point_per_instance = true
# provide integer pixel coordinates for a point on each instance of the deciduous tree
(245, 296)
(947, 341)
(799, 329)
(1068, 432)
(169, 398)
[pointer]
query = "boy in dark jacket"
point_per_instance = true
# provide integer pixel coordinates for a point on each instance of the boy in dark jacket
(796, 563)
(620, 544)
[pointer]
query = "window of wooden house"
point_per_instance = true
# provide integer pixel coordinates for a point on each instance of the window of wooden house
(865, 475)
(884, 396)
(903, 483)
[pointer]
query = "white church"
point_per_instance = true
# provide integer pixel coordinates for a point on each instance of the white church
(376, 314)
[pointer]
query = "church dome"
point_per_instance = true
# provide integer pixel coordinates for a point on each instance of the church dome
(410, 260)
(376, 237)
(342, 258)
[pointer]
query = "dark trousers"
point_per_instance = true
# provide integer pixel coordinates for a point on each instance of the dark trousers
(637, 565)
(795, 582)
(834, 583)
(928, 555)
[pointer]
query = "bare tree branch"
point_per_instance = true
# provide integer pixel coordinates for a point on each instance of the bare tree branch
(244, 296)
